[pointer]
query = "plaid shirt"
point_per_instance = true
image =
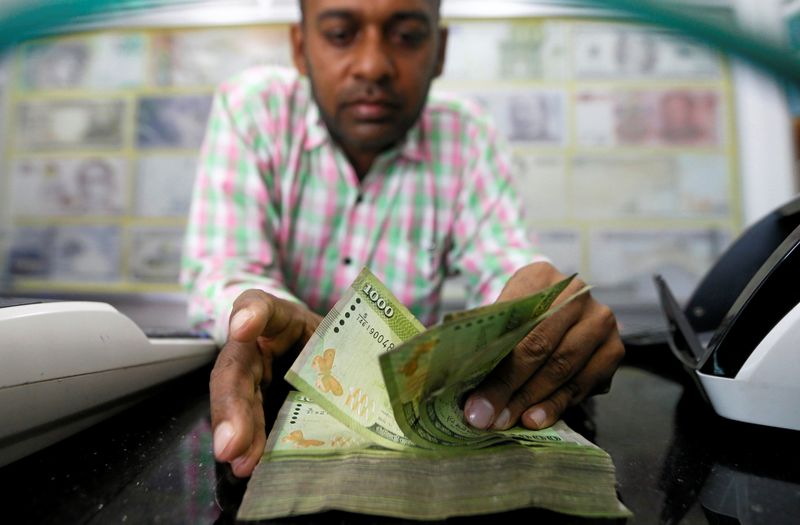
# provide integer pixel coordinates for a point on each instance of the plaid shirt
(277, 206)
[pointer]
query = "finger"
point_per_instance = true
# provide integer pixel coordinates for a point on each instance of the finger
(243, 465)
(235, 399)
(487, 401)
(597, 372)
(251, 314)
(281, 323)
(530, 279)
(296, 329)
(576, 348)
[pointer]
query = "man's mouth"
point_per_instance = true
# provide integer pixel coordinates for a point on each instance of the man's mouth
(371, 110)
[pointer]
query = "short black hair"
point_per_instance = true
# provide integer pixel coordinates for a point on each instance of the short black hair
(303, 7)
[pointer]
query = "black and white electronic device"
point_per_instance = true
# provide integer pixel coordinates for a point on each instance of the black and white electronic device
(69, 364)
(749, 303)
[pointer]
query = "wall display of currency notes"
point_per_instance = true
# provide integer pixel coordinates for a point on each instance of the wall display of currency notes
(202, 57)
(164, 185)
(625, 257)
(378, 405)
(79, 253)
(611, 126)
(69, 124)
(97, 61)
(104, 130)
(70, 186)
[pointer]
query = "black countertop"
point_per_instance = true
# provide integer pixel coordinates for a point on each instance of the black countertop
(677, 462)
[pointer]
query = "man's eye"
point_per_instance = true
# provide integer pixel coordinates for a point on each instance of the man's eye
(338, 37)
(412, 38)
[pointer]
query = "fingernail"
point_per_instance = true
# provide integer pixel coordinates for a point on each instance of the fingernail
(240, 319)
(537, 416)
(223, 435)
(236, 463)
(502, 420)
(480, 412)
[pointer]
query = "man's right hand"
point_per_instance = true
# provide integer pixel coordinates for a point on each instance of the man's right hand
(262, 329)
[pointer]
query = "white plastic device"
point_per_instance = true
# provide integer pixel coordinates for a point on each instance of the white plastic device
(766, 390)
(66, 365)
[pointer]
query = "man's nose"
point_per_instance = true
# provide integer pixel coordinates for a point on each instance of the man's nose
(373, 61)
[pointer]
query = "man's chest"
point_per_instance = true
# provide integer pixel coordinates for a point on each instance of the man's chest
(398, 223)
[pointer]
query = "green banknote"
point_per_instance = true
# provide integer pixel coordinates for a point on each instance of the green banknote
(375, 368)
(428, 376)
(314, 463)
(339, 368)
(377, 426)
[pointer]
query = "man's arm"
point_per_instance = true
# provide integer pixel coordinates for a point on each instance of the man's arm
(569, 356)
(229, 245)
(232, 274)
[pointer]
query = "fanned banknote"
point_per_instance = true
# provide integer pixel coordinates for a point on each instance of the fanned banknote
(379, 416)
(374, 367)
(339, 369)
(428, 376)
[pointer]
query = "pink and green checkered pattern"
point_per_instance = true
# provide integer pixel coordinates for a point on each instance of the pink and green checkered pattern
(278, 207)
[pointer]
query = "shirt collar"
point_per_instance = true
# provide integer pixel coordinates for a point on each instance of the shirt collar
(413, 147)
(316, 133)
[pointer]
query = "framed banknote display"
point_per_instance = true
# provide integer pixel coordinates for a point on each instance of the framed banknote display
(625, 51)
(172, 122)
(623, 261)
(677, 186)
(86, 254)
(70, 124)
(62, 187)
(672, 117)
(155, 254)
(85, 62)
(164, 185)
(541, 183)
(512, 50)
(206, 57)
(620, 140)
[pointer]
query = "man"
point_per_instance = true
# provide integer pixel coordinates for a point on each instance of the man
(303, 182)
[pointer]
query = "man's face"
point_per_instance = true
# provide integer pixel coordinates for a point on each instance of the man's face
(371, 63)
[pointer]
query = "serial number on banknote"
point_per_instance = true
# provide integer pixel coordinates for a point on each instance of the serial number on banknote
(373, 332)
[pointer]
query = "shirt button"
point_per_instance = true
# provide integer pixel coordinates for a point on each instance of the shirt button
(359, 198)
(347, 261)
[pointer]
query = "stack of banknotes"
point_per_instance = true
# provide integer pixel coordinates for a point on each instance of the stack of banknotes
(376, 425)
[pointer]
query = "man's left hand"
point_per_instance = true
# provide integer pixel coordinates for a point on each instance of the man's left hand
(567, 357)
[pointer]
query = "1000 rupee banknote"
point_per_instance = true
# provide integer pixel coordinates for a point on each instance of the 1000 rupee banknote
(339, 369)
(371, 365)
(429, 376)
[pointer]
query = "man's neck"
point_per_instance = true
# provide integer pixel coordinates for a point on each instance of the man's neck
(361, 162)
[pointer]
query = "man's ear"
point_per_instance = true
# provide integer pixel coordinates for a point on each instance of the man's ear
(297, 38)
(442, 52)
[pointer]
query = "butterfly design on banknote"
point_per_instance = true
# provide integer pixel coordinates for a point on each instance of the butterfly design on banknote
(299, 441)
(341, 441)
(410, 367)
(323, 364)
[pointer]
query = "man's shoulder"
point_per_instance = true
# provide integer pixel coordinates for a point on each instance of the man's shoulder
(263, 85)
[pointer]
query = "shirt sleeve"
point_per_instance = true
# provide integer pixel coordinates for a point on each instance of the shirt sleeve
(490, 240)
(229, 245)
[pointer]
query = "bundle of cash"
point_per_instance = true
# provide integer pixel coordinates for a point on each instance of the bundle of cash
(377, 424)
